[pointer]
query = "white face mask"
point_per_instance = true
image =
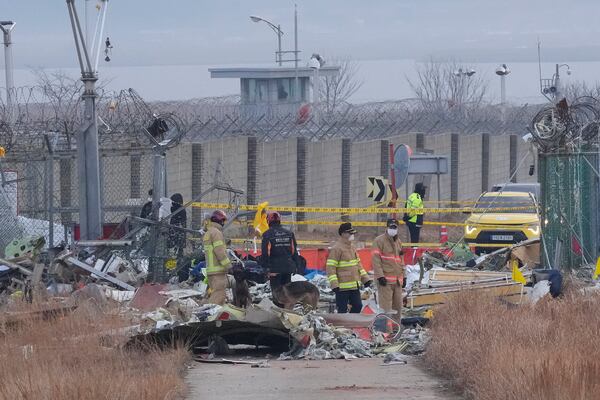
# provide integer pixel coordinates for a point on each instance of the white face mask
(351, 237)
(392, 232)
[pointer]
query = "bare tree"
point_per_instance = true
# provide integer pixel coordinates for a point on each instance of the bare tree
(446, 86)
(337, 90)
(574, 90)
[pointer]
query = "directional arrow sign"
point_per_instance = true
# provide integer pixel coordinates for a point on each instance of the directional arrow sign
(377, 188)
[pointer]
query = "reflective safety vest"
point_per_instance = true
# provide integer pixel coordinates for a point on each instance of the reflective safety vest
(387, 259)
(344, 269)
(415, 206)
(215, 251)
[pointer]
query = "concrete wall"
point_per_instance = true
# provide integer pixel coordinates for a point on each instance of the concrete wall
(335, 172)
(469, 166)
(499, 159)
(277, 172)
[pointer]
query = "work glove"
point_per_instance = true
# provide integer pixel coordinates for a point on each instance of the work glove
(336, 290)
(368, 284)
(382, 281)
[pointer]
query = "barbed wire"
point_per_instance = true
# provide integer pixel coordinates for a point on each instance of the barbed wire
(54, 108)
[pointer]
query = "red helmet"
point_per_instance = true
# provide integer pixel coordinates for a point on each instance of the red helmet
(273, 218)
(219, 217)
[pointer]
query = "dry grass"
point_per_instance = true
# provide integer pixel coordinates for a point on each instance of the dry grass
(79, 355)
(548, 351)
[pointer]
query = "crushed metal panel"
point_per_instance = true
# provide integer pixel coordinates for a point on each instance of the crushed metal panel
(148, 297)
(102, 275)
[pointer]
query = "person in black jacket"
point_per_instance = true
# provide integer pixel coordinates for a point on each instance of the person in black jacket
(177, 237)
(279, 252)
(146, 212)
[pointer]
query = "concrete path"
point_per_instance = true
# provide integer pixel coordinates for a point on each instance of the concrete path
(331, 379)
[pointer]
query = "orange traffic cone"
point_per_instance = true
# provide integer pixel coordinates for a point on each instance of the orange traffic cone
(443, 234)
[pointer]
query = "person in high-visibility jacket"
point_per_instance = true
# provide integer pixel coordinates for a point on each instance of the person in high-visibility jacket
(414, 217)
(345, 271)
(388, 266)
(217, 262)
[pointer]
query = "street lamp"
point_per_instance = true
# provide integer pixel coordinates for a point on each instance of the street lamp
(278, 32)
(315, 63)
(502, 71)
(7, 27)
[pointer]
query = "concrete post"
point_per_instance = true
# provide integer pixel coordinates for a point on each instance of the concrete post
(485, 162)
(301, 165)
(513, 157)
(135, 166)
(454, 157)
(346, 167)
(251, 181)
(197, 160)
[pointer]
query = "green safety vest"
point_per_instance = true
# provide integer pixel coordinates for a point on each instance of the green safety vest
(415, 204)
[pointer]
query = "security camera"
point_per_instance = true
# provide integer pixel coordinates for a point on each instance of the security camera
(470, 72)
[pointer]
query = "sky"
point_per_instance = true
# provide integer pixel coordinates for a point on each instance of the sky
(148, 33)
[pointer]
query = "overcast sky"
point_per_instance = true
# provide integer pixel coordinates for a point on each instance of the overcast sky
(176, 32)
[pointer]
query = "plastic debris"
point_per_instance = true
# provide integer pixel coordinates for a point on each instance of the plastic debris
(540, 290)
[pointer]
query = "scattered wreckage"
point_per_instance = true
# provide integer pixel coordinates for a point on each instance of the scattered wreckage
(174, 312)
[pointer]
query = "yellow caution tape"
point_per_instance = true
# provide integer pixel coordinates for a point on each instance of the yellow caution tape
(432, 223)
(404, 245)
(363, 210)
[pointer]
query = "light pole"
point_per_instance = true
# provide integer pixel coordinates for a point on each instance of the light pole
(557, 88)
(279, 59)
(278, 32)
(7, 27)
(502, 71)
(461, 74)
(88, 160)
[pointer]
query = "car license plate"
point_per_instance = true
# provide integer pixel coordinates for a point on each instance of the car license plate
(502, 237)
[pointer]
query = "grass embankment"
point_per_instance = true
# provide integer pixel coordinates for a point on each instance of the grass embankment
(79, 355)
(548, 351)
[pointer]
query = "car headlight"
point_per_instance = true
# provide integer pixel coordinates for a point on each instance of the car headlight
(470, 229)
(535, 230)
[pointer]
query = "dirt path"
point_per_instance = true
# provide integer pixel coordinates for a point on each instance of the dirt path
(331, 379)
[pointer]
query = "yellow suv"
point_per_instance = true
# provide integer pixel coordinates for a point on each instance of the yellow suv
(489, 226)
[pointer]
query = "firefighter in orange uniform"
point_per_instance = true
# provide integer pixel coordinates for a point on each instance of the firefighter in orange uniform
(388, 266)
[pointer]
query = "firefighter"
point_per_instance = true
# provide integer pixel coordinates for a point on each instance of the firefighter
(388, 266)
(414, 217)
(345, 271)
(217, 262)
(279, 253)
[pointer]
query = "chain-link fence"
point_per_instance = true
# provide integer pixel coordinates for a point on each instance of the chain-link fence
(40, 192)
(570, 195)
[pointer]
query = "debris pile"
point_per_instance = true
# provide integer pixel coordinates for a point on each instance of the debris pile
(317, 340)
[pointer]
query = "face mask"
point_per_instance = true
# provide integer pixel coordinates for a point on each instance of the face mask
(392, 232)
(351, 237)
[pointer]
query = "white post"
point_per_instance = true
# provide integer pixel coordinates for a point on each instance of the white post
(7, 27)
